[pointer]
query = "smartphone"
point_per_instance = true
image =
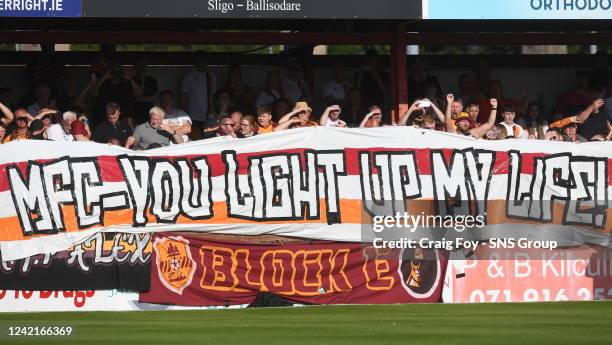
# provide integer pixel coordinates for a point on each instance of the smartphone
(425, 103)
(93, 75)
(599, 96)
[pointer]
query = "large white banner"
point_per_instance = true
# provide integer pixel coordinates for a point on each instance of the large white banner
(317, 183)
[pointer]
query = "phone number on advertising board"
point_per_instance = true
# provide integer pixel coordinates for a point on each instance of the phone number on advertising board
(33, 331)
(539, 295)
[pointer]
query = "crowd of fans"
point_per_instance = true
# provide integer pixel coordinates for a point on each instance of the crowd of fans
(123, 106)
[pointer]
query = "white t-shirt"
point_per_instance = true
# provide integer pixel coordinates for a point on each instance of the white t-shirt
(334, 90)
(178, 118)
(56, 133)
(195, 86)
(510, 130)
(337, 123)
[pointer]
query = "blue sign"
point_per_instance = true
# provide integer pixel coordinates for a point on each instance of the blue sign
(40, 8)
(517, 9)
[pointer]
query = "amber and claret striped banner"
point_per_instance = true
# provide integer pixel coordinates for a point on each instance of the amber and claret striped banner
(314, 183)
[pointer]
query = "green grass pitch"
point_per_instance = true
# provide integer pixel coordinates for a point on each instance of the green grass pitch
(476, 324)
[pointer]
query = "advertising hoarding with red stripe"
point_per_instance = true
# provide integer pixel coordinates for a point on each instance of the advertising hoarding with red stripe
(499, 275)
